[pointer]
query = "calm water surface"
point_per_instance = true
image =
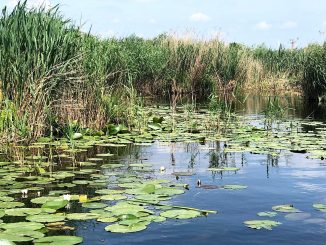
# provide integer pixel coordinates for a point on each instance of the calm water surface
(291, 179)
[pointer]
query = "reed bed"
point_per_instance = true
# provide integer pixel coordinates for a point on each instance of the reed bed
(52, 73)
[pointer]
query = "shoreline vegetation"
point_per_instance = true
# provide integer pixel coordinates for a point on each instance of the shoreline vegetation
(100, 135)
(54, 77)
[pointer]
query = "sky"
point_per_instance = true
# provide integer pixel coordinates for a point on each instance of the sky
(251, 22)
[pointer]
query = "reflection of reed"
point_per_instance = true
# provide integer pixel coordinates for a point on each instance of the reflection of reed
(217, 158)
(256, 104)
(311, 109)
(271, 161)
(172, 154)
(192, 161)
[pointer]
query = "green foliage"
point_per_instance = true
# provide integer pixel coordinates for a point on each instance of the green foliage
(51, 73)
(314, 77)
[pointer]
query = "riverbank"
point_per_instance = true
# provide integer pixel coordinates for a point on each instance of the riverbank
(54, 75)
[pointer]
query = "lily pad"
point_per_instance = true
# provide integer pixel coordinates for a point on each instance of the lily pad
(6, 242)
(320, 207)
(124, 208)
(21, 212)
(113, 197)
(286, 209)
(14, 238)
(109, 192)
(94, 205)
(169, 191)
(117, 228)
(180, 214)
(46, 218)
(6, 205)
(31, 226)
(149, 188)
(55, 204)
(42, 200)
(66, 240)
(235, 187)
(2, 213)
(24, 233)
(262, 224)
(267, 214)
(107, 219)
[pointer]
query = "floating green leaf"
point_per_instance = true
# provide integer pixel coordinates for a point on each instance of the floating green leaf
(55, 240)
(117, 228)
(31, 226)
(94, 205)
(55, 204)
(285, 208)
(42, 200)
(261, 224)
(180, 214)
(107, 219)
(46, 218)
(14, 238)
(267, 214)
(113, 197)
(235, 187)
(27, 211)
(124, 208)
(11, 204)
(6, 242)
(149, 188)
(320, 207)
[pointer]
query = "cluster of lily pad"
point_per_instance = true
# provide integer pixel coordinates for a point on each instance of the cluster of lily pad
(41, 186)
(267, 223)
(51, 175)
(292, 213)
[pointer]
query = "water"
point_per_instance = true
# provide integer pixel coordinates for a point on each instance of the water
(294, 180)
(291, 179)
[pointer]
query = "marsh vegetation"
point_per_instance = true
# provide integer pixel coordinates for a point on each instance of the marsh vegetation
(81, 126)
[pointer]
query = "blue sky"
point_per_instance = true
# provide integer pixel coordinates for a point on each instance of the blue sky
(250, 22)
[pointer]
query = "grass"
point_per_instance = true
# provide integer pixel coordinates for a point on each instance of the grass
(52, 73)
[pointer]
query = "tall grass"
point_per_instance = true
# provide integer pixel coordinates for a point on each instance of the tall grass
(51, 73)
(314, 71)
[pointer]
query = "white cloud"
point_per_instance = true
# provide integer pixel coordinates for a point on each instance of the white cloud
(263, 25)
(199, 17)
(289, 25)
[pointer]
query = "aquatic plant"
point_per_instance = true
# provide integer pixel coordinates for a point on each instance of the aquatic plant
(53, 73)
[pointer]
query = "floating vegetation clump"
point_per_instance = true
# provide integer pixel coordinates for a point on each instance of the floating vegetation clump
(320, 207)
(262, 224)
(286, 209)
(58, 183)
(267, 214)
